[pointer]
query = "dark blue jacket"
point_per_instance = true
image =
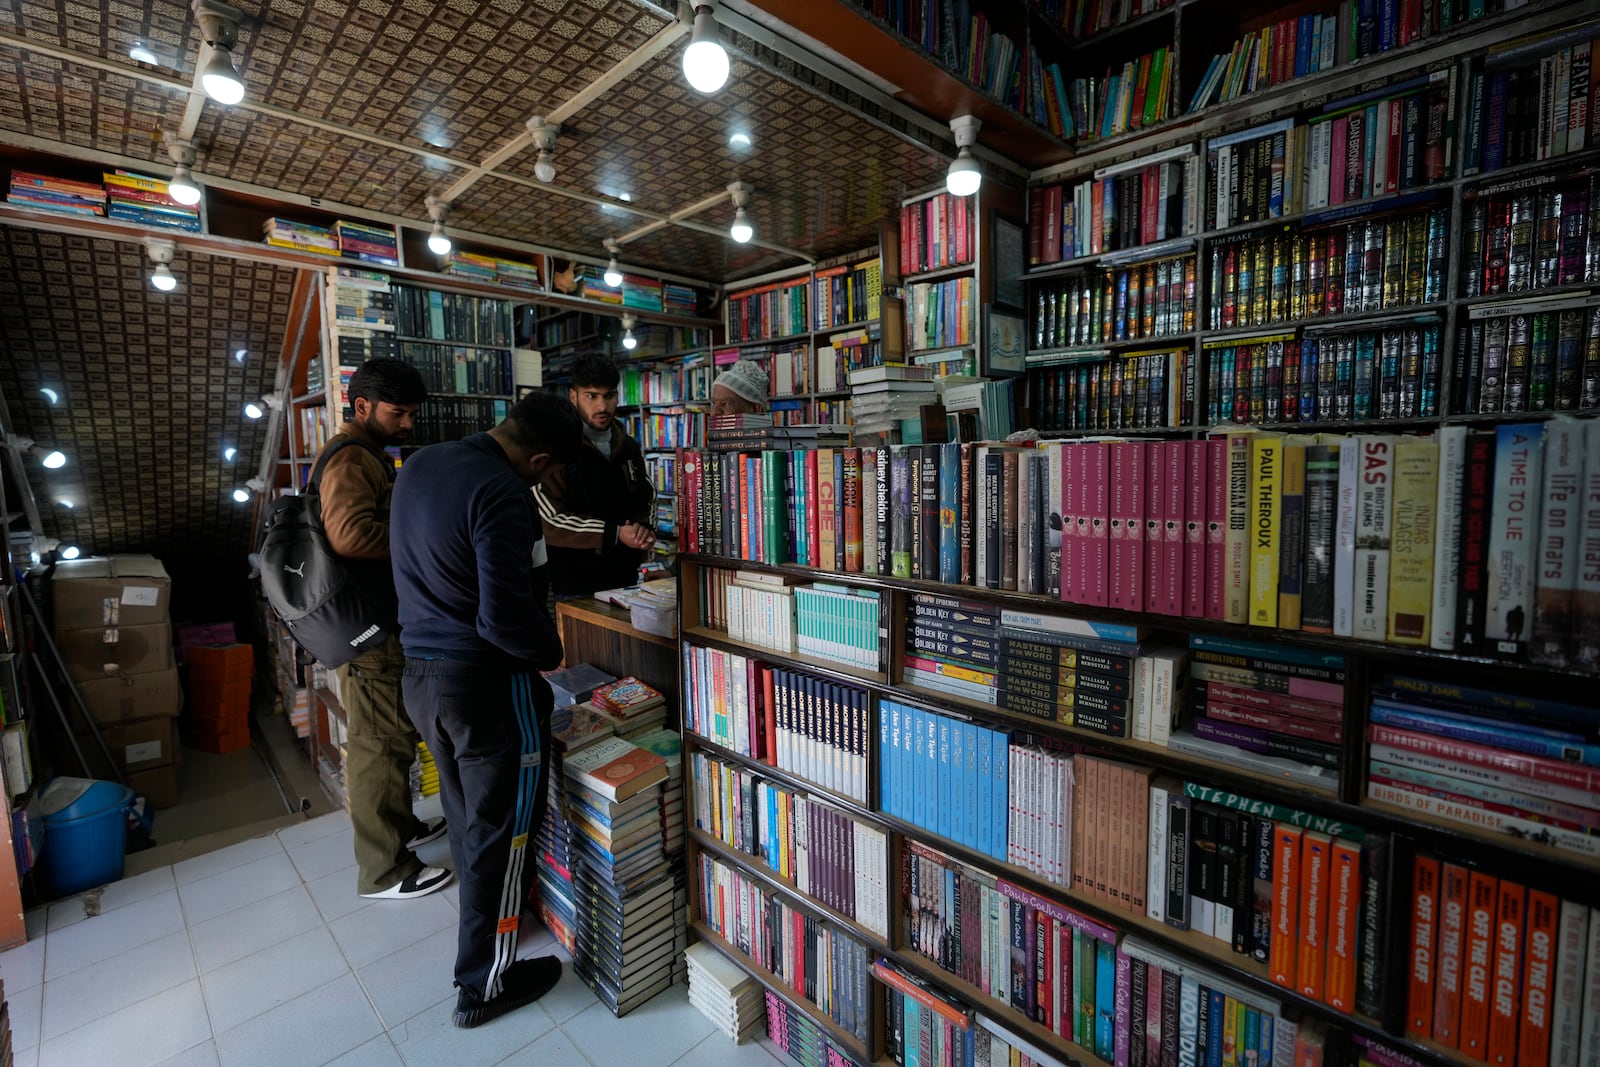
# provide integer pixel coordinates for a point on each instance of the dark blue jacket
(468, 553)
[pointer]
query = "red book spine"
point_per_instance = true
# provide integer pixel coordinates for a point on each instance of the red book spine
(1154, 510)
(1533, 1038)
(1477, 974)
(1071, 507)
(1123, 490)
(1285, 904)
(1344, 906)
(1505, 1004)
(1242, 697)
(1447, 960)
(1038, 225)
(812, 510)
(1196, 498)
(1216, 525)
(1424, 921)
(1149, 206)
(1154, 979)
(1174, 457)
(1097, 504)
(770, 707)
(1330, 732)
(1137, 472)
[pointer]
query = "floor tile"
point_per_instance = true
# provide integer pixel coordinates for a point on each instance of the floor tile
(25, 1006)
(233, 936)
(324, 855)
(389, 926)
(111, 897)
(335, 894)
(246, 988)
(569, 997)
(202, 1055)
(553, 1048)
(139, 1035)
(718, 1050)
(236, 887)
(413, 979)
(23, 967)
(107, 936)
(315, 1027)
(379, 1052)
(27, 1057)
(89, 993)
(312, 829)
(193, 870)
(429, 1039)
(654, 1035)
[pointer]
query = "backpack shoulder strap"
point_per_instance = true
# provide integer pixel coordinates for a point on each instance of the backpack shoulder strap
(313, 485)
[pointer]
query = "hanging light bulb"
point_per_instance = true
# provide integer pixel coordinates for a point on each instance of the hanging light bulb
(613, 274)
(162, 278)
(741, 230)
(544, 139)
(219, 28)
(70, 552)
(629, 341)
(964, 178)
(705, 61)
(438, 240)
(241, 495)
(160, 252)
(54, 460)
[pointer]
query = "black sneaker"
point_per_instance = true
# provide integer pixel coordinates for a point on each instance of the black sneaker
(428, 880)
(432, 830)
(523, 983)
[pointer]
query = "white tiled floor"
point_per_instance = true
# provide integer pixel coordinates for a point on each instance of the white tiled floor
(262, 953)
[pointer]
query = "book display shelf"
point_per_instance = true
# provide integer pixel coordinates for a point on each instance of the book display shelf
(1319, 751)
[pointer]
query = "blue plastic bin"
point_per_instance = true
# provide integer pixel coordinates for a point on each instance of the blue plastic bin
(85, 823)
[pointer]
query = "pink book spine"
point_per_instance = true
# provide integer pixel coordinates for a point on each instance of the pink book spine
(1341, 142)
(1082, 521)
(1097, 546)
(1170, 594)
(1071, 482)
(1195, 499)
(1138, 496)
(1216, 524)
(1119, 582)
(1152, 525)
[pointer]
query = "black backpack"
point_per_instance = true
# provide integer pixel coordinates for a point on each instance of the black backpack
(318, 595)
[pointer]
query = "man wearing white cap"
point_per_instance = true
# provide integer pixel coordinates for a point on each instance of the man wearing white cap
(740, 390)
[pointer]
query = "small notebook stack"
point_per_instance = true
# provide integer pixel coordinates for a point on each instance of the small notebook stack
(635, 708)
(626, 895)
(572, 729)
(727, 996)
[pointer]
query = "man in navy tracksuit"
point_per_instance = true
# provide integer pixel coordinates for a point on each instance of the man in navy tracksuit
(469, 569)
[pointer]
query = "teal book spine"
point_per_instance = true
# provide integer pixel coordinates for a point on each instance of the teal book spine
(1105, 995)
(946, 785)
(985, 806)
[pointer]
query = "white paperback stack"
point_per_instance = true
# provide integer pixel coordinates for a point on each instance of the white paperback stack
(625, 892)
(730, 998)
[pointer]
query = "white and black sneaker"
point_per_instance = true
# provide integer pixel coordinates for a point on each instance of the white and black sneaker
(428, 880)
(432, 830)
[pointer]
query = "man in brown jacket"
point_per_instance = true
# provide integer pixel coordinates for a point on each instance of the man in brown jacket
(356, 485)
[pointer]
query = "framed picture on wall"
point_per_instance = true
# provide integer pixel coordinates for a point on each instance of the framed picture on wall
(1004, 347)
(1008, 264)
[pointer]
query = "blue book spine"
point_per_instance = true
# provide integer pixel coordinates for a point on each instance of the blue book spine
(973, 799)
(886, 761)
(1001, 830)
(1214, 1028)
(1484, 734)
(903, 780)
(950, 517)
(1105, 1000)
(960, 785)
(946, 784)
(1388, 24)
(917, 735)
(1302, 47)
(1264, 1057)
(1189, 1023)
(985, 766)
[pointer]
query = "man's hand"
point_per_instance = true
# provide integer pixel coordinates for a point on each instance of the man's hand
(635, 536)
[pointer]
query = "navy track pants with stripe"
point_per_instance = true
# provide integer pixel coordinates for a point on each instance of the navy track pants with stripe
(489, 733)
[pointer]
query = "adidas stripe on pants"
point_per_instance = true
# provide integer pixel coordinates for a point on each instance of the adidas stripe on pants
(489, 732)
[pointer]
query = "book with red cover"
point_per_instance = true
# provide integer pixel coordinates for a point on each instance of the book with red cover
(615, 768)
(1447, 959)
(1477, 975)
(627, 698)
(1051, 237)
(813, 512)
(1154, 509)
(1127, 513)
(1216, 451)
(1283, 945)
(1196, 505)
(1174, 459)
(1072, 546)
(852, 511)
(1096, 506)
(769, 706)
(1505, 1000)
(1344, 909)
(1424, 927)
(1538, 984)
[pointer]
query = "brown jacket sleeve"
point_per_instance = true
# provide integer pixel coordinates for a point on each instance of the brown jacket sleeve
(562, 528)
(355, 504)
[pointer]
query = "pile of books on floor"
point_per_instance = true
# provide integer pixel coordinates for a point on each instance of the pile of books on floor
(669, 746)
(146, 200)
(368, 243)
(727, 996)
(56, 194)
(626, 894)
(300, 236)
(573, 728)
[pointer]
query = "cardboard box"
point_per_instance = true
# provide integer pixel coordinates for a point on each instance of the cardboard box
(219, 735)
(158, 785)
(106, 591)
(131, 650)
(137, 745)
(134, 696)
(221, 663)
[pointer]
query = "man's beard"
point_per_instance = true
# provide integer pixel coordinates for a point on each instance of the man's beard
(381, 437)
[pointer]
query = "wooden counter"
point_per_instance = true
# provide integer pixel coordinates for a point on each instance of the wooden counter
(597, 633)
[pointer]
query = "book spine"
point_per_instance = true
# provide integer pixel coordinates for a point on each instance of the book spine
(1478, 973)
(1237, 539)
(1266, 472)
(1512, 532)
(1344, 552)
(1292, 540)
(1282, 958)
(1414, 541)
(1506, 990)
(1452, 913)
(1196, 506)
(1567, 1003)
(1216, 525)
(1424, 930)
(1374, 516)
(1447, 557)
(1533, 1038)
(1557, 554)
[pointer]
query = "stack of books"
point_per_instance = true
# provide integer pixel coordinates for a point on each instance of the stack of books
(471, 265)
(572, 729)
(724, 994)
(669, 746)
(635, 709)
(145, 200)
(679, 299)
(514, 275)
(883, 397)
(300, 236)
(626, 896)
(424, 774)
(56, 194)
(368, 243)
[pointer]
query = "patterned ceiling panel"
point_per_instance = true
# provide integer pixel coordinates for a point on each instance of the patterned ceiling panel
(151, 391)
(78, 105)
(682, 248)
(529, 214)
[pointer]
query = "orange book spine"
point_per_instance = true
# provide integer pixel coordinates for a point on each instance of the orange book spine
(1424, 921)
(1533, 1035)
(1285, 903)
(1316, 851)
(1447, 960)
(1506, 1001)
(1344, 908)
(1477, 972)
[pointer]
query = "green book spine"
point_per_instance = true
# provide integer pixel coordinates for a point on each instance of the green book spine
(773, 508)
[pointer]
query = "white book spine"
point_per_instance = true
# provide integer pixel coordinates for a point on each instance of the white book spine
(1163, 697)
(1586, 596)
(1589, 1049)
(1566, 1001)
(1156, 879)
(1143, 690)
(1447, 548)
(1556, 568)
(1374, 517)
(1344, 540)
(1513, 528)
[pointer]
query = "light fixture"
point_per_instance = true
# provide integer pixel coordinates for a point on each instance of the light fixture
(741, 230)
(705, 61)
(160, 250)
(143, 55)
(70, 552)
(51, 395)
(964, 177)
(629, 341)
(544, 139)
(438, 240)
(54, 459)
(219, 28)
(229, 453)
(613, 274)
(241, 495)
(240, 354)
(255, 409)
(739, 140)
(182, 187)
(66, 502)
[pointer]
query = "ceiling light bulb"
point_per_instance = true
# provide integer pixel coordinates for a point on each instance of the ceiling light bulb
(241, 495)
(66, 502)
(705, 61)
(613, 275)
(55, 460)
(163, 279)
(182, 187)
(70, 552)
(963, 178)
(220, 80)
(253, 410)
(229, 452)
(51, 395)
(544, 170)
(741, 230)
(439, 241)
(739, 140)
(629, 341)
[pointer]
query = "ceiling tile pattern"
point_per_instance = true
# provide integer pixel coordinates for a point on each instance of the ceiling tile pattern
(78, 105)
(151, 391)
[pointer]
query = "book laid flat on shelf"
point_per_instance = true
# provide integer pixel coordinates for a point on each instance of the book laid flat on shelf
(616, 768)
(627, 698)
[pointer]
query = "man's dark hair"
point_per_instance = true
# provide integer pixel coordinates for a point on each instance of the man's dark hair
(388, 381)
(594, 372)
(544, 422)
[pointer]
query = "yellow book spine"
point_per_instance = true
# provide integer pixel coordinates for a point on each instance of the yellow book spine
(1236, 538)
(1266, 473)
(1411, 551)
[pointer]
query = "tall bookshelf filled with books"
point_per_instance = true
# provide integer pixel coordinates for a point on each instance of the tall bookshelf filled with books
(1246, 708)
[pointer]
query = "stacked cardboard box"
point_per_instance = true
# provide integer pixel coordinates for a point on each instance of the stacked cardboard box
(114, 632)
(219, 697)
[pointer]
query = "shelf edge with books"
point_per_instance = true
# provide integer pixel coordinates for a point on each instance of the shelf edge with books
(778, 774)
(1463, 836)
(840, 671)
